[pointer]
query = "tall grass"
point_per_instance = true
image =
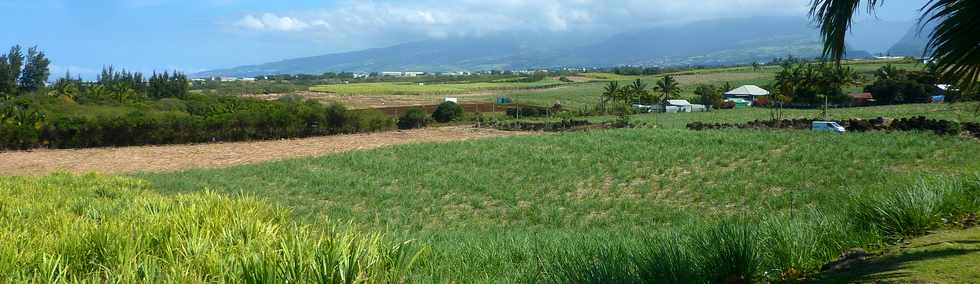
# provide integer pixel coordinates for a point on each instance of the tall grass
(65, 228)
(769, 248)
(539, 208)
(916, 210)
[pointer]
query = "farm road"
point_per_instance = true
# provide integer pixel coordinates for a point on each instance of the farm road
(218, 155)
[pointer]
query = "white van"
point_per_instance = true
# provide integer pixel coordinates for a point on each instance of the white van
(828, 126)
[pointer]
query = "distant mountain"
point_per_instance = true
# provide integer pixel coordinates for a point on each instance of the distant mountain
(716, 42)
(914, 42)
(877, 36)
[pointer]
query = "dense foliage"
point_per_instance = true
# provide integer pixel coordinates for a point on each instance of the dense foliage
(413, 118)
(709, 95)
(814, 83)
(952, 43)
(897, 86)
(123, 108)
(20, 74)
(528, 111)
(447, 112)
(197, 119)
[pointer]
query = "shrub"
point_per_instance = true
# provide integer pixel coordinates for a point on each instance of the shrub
(892, 91)
(372, 121)
(447, 111)
(528, 111)
(413, 118)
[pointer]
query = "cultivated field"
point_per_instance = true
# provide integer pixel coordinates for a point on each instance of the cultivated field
(412, 88)
(530, 208)
(435, 206)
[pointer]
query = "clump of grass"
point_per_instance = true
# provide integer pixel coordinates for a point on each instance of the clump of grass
(65, 228)
(591, 261)
(802, 242)
(914, 211)
(729, 253)
(668, 258)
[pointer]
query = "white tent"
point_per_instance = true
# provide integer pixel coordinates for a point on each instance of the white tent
(747, 91)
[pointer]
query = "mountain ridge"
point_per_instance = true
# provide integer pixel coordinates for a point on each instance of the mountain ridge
(713, 42)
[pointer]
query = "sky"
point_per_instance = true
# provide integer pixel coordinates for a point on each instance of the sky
(196, 35)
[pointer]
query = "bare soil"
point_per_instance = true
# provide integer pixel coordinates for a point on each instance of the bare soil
(219, 155)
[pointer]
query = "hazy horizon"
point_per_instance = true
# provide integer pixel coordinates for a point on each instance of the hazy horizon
(193, 36)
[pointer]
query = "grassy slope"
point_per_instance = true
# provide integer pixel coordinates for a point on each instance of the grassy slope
(944, 257)
(487, 206)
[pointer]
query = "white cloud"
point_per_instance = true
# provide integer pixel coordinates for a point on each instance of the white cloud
(272, 22)
(399, 21)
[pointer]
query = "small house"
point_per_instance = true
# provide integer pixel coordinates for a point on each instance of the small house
(685, 106)
(748, 92)
(739, 103)
(861, 99)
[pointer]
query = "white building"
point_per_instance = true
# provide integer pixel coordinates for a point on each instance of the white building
(402, 74)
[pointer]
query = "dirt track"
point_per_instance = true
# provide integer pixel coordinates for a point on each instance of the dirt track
(180, 157)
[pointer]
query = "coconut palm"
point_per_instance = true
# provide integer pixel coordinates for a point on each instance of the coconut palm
(886, 72)
(638, 90)
(954, 42)
(610, 92)
(668, 88)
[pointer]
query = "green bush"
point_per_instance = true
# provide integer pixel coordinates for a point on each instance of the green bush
(528, 111)
(447, 111)
(413, 118)
(372, 121)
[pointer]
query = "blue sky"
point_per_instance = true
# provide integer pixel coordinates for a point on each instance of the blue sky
(146, 35)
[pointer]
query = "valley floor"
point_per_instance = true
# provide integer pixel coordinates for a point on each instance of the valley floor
(219, 155)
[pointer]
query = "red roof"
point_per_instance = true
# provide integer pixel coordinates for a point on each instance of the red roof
(862, 96)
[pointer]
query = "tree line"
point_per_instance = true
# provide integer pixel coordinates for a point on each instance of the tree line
(23, 74)
(123, 108)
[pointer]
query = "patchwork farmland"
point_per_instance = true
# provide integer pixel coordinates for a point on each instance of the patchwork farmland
(293, 187)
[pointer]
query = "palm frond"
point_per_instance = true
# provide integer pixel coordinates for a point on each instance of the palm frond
(955, 42)
(834, 18)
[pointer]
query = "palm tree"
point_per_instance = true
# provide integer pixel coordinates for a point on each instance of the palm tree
(886, 72)
(638, 90)
(953, 43)
(611, 92)
(668, 88)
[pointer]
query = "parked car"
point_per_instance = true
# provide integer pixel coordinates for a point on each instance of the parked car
(828, 126)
